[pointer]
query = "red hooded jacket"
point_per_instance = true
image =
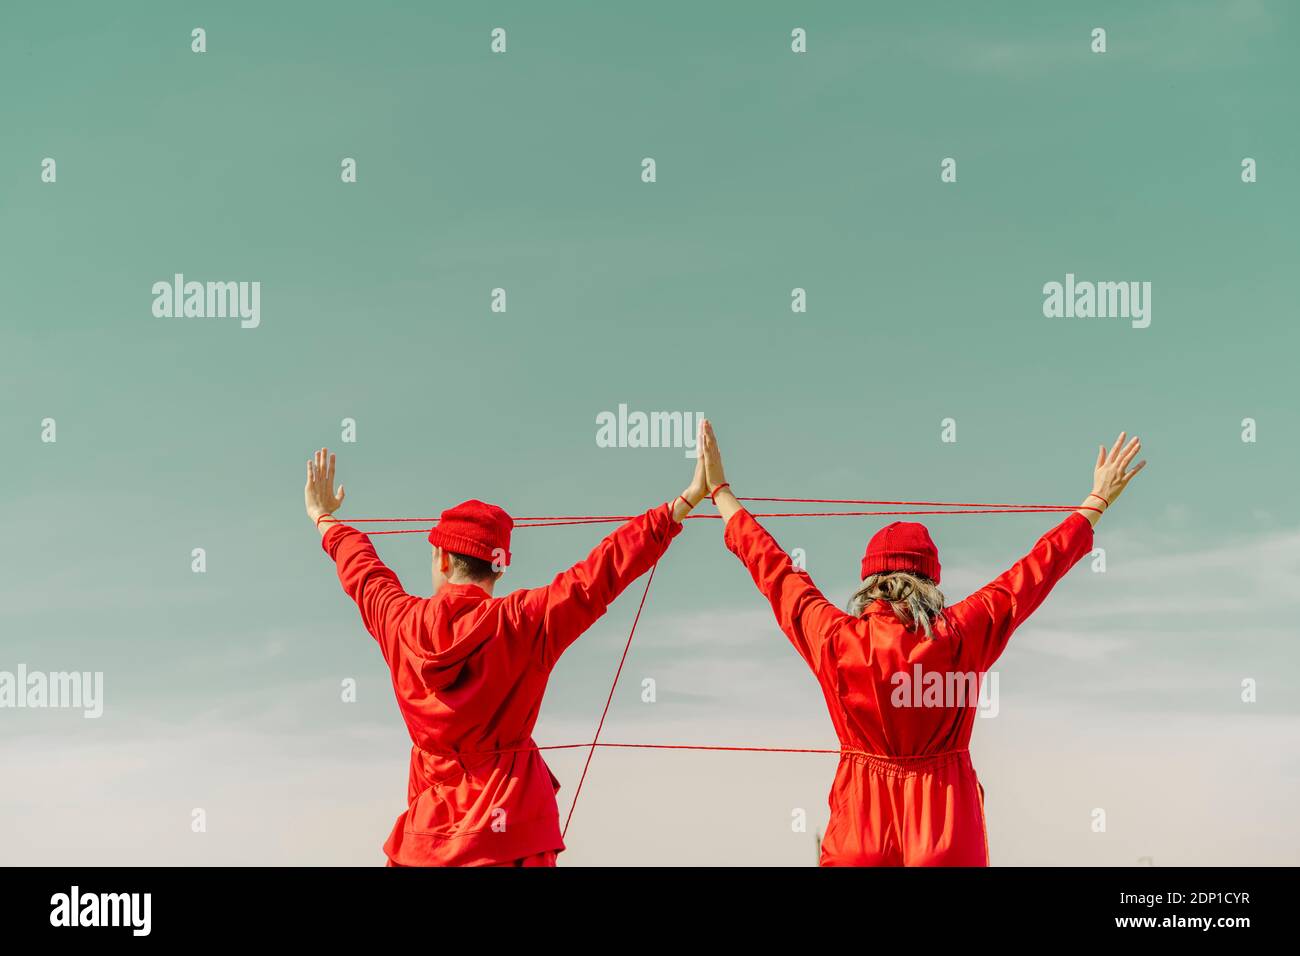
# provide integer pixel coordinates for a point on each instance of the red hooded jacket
(469, 671)
(858, 660)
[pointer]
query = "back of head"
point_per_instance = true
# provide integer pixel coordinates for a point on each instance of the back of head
(475, 529)
(466, 567)
(474, 537)
(915, 599)
(902, 546)
(901, 566)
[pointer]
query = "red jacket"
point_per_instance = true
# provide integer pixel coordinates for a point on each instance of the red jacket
(857, 660)
(469, 671)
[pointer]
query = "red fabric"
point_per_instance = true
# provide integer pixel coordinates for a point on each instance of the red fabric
(469, 672)
(475, 528)
(902, 546)
(887, 810)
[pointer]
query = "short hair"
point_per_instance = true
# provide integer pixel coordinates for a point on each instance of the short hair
(476, 569)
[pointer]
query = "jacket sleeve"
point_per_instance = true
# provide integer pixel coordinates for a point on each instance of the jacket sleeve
(560, 612)
(803, 613)
(986, 620)
(371, 584)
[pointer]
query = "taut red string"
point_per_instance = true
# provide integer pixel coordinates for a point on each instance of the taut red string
(909, 508)
(560, 521)
(717, 748)
(608, 700)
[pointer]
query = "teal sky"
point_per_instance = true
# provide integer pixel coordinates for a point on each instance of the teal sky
(522, 171)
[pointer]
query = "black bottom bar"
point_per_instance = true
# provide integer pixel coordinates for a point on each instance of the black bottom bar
(442, 907)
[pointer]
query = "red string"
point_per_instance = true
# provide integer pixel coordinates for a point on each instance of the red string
(610, 519)
(722, 748)
(727, 749)
(772, 750)
(608, 700)
(984, 508)
(868, 501)
(913, 508)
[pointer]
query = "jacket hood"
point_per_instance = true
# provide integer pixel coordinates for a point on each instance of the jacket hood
(441, 664)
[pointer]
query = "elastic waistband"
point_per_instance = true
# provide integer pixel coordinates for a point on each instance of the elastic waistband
(436, 766)
(896, 765)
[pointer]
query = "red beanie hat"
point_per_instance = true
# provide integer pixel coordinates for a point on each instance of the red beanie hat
(476, 529)
(902, 546)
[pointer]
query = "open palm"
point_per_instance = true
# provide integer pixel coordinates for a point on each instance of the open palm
(319, 495)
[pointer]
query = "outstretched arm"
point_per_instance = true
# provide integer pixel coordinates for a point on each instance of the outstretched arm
(802, 611)
(577, 597)
(366, 579)
(986, 620)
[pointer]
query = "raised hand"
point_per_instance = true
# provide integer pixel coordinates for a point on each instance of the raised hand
(727, 503)
(1111, 476)
(319, 494)
(1112, 473)
(711, 456)
(698, 489)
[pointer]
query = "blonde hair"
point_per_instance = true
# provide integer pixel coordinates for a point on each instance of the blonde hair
(915, 599)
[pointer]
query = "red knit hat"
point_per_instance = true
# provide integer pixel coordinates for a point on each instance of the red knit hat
(902, 546)
(476, 529)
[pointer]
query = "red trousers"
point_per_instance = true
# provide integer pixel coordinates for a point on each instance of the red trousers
(906, 813)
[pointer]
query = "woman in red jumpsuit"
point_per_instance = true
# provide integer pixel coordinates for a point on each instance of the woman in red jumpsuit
(901, 672)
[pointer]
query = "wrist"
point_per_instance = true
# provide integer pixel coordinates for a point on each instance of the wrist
(1092, 507)
(681, 506)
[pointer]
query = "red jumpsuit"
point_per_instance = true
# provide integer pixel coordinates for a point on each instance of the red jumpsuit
(904, 706)
(469, 671)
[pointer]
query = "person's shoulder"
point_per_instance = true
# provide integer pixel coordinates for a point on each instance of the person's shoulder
(512, 607)
(511, 599)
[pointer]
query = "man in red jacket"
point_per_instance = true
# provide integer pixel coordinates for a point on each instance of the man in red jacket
(469, 669)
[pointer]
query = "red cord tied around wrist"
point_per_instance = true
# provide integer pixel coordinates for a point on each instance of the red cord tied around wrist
(682, 499)
(713, 495)
(326, 515)
(1093, 494)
